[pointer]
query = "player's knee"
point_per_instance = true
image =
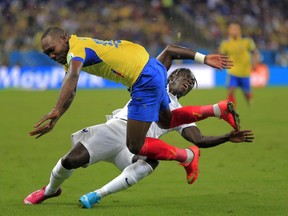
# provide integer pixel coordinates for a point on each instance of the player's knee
(77, 157)
(134, 147)
(69, 162)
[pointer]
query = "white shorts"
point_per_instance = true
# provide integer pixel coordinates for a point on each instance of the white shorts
(106, 142)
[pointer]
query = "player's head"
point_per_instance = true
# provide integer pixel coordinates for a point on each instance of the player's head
(181, 81)
(55, 44)
(234, 29)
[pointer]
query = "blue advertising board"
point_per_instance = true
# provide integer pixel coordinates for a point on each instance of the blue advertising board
(47, 78)
(40, 78)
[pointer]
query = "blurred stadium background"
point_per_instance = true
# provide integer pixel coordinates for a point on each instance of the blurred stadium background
(197, 24)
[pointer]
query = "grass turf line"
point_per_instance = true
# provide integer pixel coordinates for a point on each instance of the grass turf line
(234, 179)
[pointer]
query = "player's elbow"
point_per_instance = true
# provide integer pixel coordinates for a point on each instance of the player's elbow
(170, 48)
(133, 147)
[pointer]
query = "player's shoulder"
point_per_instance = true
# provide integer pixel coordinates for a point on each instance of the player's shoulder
(79, 44)
(247, 38)
(74, 41)
(73, 38)
(249, 42)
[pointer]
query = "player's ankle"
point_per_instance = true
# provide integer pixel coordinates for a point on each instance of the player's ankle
(217, 111)
(190, 156)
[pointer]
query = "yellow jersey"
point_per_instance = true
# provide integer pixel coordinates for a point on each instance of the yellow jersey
(120, 61)
(239, 51)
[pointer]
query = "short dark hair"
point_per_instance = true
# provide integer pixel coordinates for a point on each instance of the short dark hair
(185, 71)
(53, 31)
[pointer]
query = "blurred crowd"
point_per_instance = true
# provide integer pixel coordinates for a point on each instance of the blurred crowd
(266, 21)
(146, 22)
(23, 22)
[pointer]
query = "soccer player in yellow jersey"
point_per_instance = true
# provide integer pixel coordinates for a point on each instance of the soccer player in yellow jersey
(239, 50)
(146, 77)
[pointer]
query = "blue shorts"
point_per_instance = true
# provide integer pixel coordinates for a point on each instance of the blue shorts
(242, 82)
(149, 94)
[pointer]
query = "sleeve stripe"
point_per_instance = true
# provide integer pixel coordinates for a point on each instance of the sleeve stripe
(78, 59)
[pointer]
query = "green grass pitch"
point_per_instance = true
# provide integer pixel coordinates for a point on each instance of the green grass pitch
(235, 179)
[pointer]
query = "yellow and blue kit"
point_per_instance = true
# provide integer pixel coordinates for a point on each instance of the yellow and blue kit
(120, 61)
(127, 63)
(239, 51)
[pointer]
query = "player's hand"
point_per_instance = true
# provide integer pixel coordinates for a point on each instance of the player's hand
(218, 61)
(241, 136)
(39, 130)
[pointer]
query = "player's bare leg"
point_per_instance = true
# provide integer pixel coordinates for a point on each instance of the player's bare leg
(136, 134)
(153, 148)
(249, 98)
(64, 168)
(157, 149)
(77, 157)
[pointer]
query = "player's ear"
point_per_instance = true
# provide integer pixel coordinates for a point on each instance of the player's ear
(65, 36)
(171, 78)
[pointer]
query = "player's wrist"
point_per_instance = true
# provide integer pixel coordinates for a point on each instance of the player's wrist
(227, 137)
(199, 57)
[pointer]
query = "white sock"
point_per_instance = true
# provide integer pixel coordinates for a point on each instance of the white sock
(190, 156)
(58, 175)
(217, 111)
(130, 176)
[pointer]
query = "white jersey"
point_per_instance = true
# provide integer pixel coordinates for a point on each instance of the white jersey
(107, 141)
(154, 130)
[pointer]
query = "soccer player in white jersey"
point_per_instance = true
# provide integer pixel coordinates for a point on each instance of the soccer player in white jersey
(106, 142)
(143, 167)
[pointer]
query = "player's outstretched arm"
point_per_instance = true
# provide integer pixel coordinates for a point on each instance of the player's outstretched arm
(65, 99)
(218, 61)
(193, 134)
(172, 52)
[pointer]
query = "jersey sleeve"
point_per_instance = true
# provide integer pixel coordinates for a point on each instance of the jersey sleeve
(76, 51)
